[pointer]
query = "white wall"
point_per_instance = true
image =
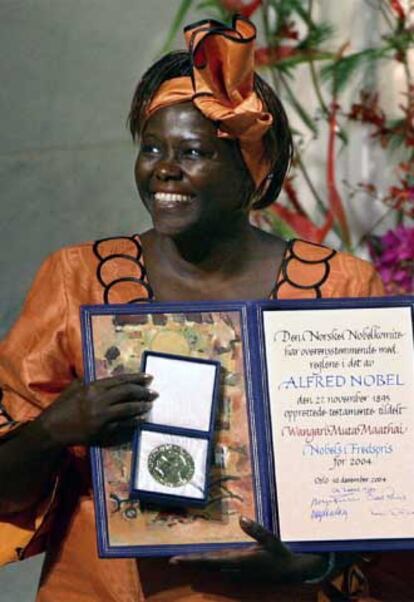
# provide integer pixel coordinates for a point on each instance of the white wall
(68, 71)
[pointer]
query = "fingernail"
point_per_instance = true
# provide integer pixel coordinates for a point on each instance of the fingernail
(147, 377)
(245, 522)
(175, 560)
(153, 394)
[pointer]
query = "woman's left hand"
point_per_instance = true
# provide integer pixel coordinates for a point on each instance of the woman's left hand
(269, 560)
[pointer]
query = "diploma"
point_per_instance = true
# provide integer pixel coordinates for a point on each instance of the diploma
(341, 399)
(313, 435)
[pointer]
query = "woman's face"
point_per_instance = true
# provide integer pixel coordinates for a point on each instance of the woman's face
(188, 178)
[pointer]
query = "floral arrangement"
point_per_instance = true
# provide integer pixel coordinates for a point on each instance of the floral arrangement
(393, 256)
(293, 39)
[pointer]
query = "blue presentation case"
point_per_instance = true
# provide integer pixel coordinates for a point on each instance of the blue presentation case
(168, 437)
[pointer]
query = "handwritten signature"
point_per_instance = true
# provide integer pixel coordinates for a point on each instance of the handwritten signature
(333, 505)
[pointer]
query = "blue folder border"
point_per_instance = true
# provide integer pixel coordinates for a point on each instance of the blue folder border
(265, 489)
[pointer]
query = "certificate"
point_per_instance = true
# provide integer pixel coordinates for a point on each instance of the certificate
(341, 398)
(314, 434)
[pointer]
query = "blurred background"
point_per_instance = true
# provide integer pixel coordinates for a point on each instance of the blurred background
(68, 72)
(344, 70)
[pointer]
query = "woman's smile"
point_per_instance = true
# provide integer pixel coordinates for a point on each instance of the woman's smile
(172, 198)
(171, 201)
(171, 211)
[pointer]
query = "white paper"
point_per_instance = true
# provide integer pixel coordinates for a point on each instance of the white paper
(197, 449)
(341, 388)
(185, 392)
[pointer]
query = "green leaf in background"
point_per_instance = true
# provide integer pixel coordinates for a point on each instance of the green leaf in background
(340, 72)
(213, 8)
(294, 34)
(285, 8)
(299, 57)
(207, 4)
(280, 227)
(396, 136)
(401, 41)
(396, 141)
(343, 137)
(317, 35)
(177, 24)
(307, 119)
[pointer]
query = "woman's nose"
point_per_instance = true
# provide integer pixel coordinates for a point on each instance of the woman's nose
(168, 169)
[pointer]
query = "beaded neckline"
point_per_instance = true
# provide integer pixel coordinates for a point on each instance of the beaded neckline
(129, 261)
(121, 262)
(302, 253)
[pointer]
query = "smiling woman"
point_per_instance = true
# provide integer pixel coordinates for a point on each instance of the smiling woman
(213, 143)
(198, 179)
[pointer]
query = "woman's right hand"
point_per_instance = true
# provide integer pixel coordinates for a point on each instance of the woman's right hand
(99, 412)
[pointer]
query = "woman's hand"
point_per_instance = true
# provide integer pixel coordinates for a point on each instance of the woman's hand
(269, 561)
(98, 412)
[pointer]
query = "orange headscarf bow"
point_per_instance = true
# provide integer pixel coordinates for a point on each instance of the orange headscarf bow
(221, 87)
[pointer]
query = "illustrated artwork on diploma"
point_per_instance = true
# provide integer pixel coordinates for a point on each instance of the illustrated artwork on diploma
(127, 527)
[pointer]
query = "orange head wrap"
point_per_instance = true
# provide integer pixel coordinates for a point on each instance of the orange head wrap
(221, 87)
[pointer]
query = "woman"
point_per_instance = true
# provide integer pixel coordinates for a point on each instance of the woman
(214, 142)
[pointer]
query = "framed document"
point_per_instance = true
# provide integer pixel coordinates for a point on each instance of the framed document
(339, 391)
(314, 433)
(172, 450)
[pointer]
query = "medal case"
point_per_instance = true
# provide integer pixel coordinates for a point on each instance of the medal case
(172, 449)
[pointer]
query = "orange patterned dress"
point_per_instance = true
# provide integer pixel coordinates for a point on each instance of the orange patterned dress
(39, 359)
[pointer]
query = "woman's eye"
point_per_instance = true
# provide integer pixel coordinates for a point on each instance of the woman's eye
(150, 149)
(194, 153)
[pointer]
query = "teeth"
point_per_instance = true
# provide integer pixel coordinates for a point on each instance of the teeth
(169, 197)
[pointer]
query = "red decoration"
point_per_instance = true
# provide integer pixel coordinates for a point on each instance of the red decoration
(288, 30)
(270, 56)
(368, 110)
(302, 225)
(241, 7)
(296, 35)
(398, 9)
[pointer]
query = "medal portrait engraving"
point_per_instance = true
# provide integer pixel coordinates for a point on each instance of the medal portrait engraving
(171, 465)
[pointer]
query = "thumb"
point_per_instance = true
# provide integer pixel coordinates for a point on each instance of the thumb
(265, 538)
